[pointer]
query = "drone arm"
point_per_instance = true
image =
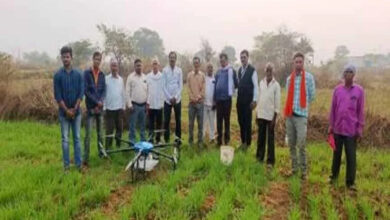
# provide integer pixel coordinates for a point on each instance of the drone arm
(137, 156)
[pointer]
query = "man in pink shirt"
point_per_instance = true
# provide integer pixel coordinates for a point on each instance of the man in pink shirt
(346, 124)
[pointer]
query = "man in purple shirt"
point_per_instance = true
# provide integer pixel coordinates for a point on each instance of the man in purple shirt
(346, 124)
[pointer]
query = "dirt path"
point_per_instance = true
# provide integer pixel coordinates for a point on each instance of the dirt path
(277, 200)
(118, 197)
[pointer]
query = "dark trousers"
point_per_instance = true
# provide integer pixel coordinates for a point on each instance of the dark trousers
(114, 120)
(155, 122)
(244, 114)
(266, 131)
(167, 119)
(350, 151)
(224, 108)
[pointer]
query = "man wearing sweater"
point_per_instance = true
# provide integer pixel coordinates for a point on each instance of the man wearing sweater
(225, 84)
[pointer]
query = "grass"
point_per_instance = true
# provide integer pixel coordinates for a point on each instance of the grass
(33, 185)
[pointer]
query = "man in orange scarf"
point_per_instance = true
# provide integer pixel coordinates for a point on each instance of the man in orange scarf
(300, 92)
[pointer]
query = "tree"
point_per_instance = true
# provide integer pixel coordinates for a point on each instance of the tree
(6, 68)
(206, 53)
(82, 51)
(231, 52)
(279, 49)
(341, 52)
(37, 58)
(148, 43)
(119, 43)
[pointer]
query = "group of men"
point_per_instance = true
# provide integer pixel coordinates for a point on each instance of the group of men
(151, 97)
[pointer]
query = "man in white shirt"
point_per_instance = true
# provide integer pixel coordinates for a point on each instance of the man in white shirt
(267, 110)
(209, 105)
(246, 98)
(172, 88)
(155, 100)
(137, 94)
(114, 104)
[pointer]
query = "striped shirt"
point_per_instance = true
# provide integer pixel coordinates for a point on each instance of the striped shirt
(310, 93)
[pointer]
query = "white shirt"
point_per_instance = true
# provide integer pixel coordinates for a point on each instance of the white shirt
(210, 86)
(269, 99)
(172, 83)
(115, 93)
(136, 89)
(254, 81)
(155, 90)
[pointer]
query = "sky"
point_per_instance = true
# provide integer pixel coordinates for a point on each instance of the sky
(46, 25)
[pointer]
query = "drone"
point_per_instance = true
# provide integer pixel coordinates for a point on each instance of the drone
(145, 151)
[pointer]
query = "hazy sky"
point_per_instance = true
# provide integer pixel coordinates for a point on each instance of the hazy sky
(45, 25)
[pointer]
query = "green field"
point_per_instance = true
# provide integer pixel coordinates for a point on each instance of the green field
(34, 186)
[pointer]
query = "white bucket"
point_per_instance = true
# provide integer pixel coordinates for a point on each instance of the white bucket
(227, 154)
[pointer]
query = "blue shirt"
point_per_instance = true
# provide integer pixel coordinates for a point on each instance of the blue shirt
(68, 87)
(310, 93)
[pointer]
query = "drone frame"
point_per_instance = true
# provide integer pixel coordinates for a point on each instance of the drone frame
(140, 151)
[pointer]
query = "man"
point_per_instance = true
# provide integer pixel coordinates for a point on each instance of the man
(346, 124)
(114, 104)
(172, 87)
(300, 93)
(267, 110)
(155, 100)
(137, 95)
(68, 92)
(246, 98)
(225, 83)
(209, 106)
(196, 91)
(95, 90)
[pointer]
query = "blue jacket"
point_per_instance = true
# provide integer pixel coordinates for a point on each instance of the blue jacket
(94, 93)
(222, 90)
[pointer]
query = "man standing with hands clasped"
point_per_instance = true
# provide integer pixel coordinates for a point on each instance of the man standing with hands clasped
(346, 124)
(172, 87)
(246, 98)
(68, 92)
(95, 91)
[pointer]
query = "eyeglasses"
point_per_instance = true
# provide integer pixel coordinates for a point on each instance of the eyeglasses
(348, 71)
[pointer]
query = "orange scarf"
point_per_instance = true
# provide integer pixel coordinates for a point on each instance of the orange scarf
(288, 109)
(95, 75)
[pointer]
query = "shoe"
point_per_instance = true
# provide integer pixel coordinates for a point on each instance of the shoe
(352, 188)
(332, 180)
(304, 176)
(66, 170)
(85, 164)
(270, 166)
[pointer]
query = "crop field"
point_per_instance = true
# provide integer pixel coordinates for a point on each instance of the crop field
(34, 186)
